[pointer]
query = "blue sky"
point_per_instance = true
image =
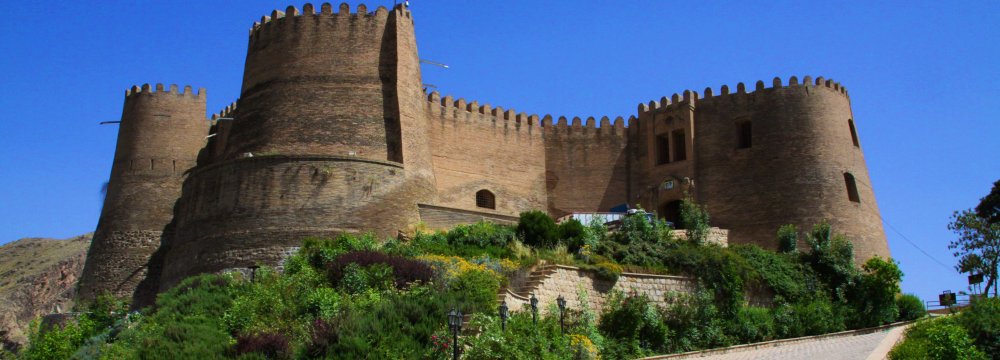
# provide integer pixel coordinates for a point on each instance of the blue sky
(923, 76)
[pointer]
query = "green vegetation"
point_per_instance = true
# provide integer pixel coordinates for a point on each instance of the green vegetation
(972, 334)
(978, 243)
(355, 296)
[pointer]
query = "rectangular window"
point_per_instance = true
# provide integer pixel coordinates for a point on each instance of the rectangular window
(745, 139)
(662, 149)
(854, 133)
(680, 146)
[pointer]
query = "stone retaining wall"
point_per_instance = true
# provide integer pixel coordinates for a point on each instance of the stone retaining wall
(568, 281)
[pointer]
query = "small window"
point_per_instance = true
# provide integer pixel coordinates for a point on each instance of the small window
(745, 130)
(680, 149)
(662, 149)
(485, 199)
(852, 188)
(854, 133)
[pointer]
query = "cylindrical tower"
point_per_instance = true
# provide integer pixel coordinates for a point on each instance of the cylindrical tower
(160, 135)
(329, 137)
(785, 154)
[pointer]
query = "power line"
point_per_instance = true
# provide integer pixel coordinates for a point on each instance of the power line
(886, 222)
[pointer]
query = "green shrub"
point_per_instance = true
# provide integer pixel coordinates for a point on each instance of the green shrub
(910, 307)
(873, 295)
(753, 324)
(58, 342)
(184, 323)
(695, 322)
(788, 238)
(608, 271)
(832, 258)
(537, 229)
(522, 340)
(982, 321)
(476, 290)
(818, 316)
(781, 273)
(941, 338)
(694, 219)
(634, 322)
(573, 234)
(481, 234)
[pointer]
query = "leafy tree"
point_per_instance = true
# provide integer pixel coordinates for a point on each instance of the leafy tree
(873, 296)
(989, 206)
(977, 246)
(832, 257)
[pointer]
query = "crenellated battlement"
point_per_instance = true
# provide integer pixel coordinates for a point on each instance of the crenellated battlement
(226, 112)
(291, 13)
(561, 124)
(691, 97)
(161, 89)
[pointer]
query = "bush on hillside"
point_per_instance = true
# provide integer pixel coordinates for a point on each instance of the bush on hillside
(481, 234)
(694, 219)
(788, 238)
(873, 295)
(910, 307)
(940, 338)
(573, 234)
(982, 321)
(403, 270)
(537, 229)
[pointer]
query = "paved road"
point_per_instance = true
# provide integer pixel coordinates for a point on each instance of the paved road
(843, 347)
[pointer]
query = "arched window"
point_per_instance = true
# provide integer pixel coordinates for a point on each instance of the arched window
(854, 133)
(486, 199)
(852, 188)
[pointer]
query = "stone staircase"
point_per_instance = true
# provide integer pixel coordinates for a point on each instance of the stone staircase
(519, 295)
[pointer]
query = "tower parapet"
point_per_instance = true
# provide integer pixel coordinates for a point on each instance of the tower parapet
(329, 137)
(776, 153)
(161, 132)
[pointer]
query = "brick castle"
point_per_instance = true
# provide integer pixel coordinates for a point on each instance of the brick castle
(333, 132)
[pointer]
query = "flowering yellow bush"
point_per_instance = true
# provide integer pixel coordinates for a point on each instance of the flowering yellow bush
(582, 347)
(450, 267)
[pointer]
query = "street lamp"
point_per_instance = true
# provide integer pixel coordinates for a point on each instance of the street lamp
(534, 309)
(455, 322)
(253, 272)
(504, 312)
(562, 310)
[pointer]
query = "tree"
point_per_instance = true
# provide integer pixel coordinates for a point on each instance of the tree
(977, 247)
(989, 206)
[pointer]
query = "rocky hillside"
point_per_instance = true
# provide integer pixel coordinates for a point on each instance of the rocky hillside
(36, 275)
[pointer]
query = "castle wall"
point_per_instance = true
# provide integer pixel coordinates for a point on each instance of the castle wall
(310, 79)
(159, 137)
(794, 170)
(316, 146)
(476, 147)
(662, 153)
(586, 166)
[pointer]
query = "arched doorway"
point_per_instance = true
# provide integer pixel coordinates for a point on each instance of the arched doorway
(671, 212)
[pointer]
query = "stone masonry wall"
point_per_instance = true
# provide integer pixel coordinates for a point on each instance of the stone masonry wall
(586, 166)
(474, 149)
(568, 280)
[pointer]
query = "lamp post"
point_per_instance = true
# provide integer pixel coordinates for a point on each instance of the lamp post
(253, 272)
(455, 322)
(534, 309)
(562, 310)
(504, 312)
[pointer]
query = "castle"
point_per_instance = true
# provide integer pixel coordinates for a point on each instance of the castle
(333, 132)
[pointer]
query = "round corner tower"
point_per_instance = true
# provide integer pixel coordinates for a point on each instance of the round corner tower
(160, 135)
(785, 154)
(328, 137)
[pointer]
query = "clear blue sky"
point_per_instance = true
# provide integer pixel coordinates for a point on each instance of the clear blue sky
(924, 79)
